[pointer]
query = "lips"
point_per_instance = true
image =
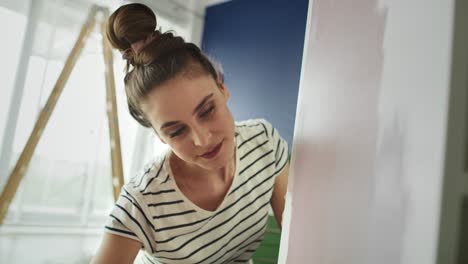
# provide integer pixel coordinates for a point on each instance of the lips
(212, 152)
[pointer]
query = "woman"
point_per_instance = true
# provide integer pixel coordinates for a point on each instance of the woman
(206, 199)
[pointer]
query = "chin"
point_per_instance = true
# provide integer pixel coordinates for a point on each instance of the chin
(217, 163)
(214, 164)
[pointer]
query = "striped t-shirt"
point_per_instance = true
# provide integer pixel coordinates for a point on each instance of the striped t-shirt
(152, 210)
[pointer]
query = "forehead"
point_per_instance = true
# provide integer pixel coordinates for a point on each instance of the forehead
(177, 98)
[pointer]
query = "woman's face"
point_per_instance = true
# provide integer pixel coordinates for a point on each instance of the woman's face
(190, 114)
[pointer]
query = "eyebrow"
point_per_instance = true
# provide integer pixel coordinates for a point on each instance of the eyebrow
(202, 103)
(199, 106)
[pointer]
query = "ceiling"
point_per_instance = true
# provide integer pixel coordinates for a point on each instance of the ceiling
(70, 16)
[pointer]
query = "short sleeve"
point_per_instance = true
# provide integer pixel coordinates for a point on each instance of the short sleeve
(279, 145)
(128, 219)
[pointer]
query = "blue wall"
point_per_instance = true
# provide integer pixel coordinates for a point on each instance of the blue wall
(260, 44)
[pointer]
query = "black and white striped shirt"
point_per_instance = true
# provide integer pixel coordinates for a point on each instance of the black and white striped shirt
(152, 210)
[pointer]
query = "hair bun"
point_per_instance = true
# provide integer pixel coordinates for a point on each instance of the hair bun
(129, 56)
(130, 23)
(162, 45)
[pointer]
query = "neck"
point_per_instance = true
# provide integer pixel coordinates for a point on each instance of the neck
(187, 170)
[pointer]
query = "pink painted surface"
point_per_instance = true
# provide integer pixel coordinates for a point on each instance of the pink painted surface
(370, 131)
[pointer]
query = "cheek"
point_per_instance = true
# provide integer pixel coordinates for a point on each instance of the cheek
(222, 126)
(225, 118)
(182, 148)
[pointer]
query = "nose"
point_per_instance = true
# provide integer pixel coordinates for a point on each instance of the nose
(201, 136)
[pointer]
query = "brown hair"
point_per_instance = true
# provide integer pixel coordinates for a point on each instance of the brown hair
(163, 58)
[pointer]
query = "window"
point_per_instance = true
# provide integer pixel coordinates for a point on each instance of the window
(11, 54)
(68, 181)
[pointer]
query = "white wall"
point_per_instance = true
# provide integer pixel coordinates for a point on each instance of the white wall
(370, 137)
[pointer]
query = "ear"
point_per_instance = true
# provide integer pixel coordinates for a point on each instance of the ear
(219, 77)
(224, 91)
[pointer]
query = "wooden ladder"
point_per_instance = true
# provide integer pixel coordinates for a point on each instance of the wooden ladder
(23, 161)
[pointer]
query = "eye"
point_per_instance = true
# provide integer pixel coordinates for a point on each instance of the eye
(178, 132)
(207, 112)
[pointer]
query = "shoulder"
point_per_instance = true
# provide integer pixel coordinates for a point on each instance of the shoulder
(260, 134)
(253, 127)
(254, 134)
(150, 176)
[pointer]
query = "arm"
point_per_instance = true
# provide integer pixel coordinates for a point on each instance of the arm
(278, 196)
(116, 250)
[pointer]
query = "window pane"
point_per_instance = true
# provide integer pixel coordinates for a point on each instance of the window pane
(69, 178)
(14, 33)
(102, 194)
